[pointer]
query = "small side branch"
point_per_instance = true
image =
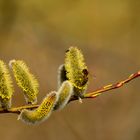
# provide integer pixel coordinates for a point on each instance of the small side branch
(111, 86)
(17, 110)
(93, 94)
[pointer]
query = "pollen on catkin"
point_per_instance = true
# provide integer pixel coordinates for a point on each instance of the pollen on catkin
(6, 86)
(65, 92)
(61, 75)
(25, 80)
(76, 70)
(42, 112)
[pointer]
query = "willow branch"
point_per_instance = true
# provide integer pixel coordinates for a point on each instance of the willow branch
(17, 110)
(112, 86)
(93, 94)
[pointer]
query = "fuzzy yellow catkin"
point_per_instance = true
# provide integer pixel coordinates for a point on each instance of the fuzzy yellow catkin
(61, 75)
(6, 86)
(25, 80)
(42, 112)
(76, 70)
(65, 92)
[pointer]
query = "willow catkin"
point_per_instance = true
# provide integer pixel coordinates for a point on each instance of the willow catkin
(65, 92)
(25, 80)
(6, 86)
(61, 75)
(76, 70)
(42, 112)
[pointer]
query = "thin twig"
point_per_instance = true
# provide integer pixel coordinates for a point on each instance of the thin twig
(17, 110)
(93, 94)
(111, 86)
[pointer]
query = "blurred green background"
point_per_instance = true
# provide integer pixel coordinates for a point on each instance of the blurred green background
(108, 33)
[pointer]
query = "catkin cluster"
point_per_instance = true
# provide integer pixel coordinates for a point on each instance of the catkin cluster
(72, 81)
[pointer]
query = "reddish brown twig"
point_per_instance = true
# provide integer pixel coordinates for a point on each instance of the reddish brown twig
(111, 86)
(93, 94)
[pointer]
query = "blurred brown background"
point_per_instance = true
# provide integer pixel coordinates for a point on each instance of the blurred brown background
(108, 33)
